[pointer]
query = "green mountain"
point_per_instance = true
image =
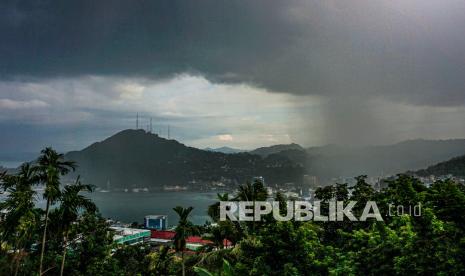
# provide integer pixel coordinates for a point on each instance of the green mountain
(337, 160)
(226, 150)
(135, 158)
(265, 151)
(454, 166)
(334, 160)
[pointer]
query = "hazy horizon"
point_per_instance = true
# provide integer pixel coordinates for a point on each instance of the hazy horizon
(12, 159)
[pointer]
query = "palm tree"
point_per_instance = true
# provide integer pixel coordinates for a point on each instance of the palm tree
(184, 229)
(22, 216)
(217, 235)
(163, 257)
(214, 209)
(252, 192)
(227, 270)
(51, 166)
(2, 176)
(72, 202)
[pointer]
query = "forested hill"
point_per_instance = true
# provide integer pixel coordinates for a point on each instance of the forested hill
(135, 158)
(265, 151)
(337, 160)
(334, 160)
(226, 150)
(455, 166)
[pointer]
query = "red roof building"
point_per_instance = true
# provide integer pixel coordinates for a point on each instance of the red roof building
(164, 235)
(167, 235)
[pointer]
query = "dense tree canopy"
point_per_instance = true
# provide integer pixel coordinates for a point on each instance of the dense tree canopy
(80, 242)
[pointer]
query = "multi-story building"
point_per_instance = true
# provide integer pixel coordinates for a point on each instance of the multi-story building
(125, 235)
(157, 222)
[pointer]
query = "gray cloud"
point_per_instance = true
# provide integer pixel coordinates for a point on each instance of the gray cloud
(91, 108)
(71, 72)
(405, 52)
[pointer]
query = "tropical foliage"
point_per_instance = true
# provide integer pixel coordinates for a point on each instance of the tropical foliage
(69, 237)
(430, 244)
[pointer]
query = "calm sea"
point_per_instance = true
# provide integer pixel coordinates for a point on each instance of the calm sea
(132, 207)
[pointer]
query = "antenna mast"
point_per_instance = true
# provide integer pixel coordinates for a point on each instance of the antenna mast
(137, 121)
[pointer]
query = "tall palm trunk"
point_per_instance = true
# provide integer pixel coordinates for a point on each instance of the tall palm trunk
(64, 253)
(182, 263)
(18, 262)
(15, 257)
(42, 251)
(12, 263)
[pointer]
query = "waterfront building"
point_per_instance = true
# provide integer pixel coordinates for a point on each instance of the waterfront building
(193, 243)
(124, 235)
(157, 222)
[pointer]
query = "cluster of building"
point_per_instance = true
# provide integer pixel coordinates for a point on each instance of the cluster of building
(311, 183)
(429, 180)
(156, 232)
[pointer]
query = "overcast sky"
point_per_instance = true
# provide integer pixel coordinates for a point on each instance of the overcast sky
(238, 73)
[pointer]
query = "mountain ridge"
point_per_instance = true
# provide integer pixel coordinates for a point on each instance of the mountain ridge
(454, 166)
(225, 149)
(264, 151)
(336, 160)
(135, 158)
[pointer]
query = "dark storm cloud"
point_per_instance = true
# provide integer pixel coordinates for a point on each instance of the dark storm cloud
(151, 38)
(406, 52)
